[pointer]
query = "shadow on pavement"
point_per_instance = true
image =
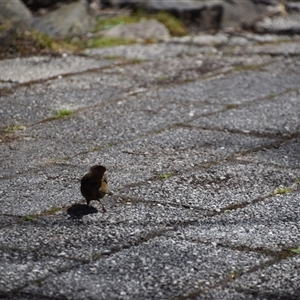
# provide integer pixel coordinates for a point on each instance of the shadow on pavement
(77, 211)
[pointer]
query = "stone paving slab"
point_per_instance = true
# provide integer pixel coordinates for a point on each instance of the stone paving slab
(258, 117)
(267, 226)
(283, 48)
(36, 155)
(236, 88)
(112, 124)
(37, 68)
(148, 52)
(218, 187)
(39, 190)
(17, 269)
(174, 69)
(267, 283)
(287, 155)
(32, 109)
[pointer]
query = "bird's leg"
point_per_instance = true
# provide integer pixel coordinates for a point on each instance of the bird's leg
(103, 207)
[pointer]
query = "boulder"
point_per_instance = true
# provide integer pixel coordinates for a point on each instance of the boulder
(144, 30)
(15, 13)
(206, 15)
(196, 15)
(14, 16)
(67, 21)
(241, 14)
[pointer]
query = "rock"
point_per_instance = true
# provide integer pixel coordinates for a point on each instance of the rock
(69, 20)
(293, 7)
(210, 15)
(146, 29)
(288, 24)
(196, 15)
(14, 16)
(241, 14)
(15, 13)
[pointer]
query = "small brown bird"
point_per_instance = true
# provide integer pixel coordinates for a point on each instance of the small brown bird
(94, 185)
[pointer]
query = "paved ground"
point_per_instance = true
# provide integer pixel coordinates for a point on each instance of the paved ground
(201, 139)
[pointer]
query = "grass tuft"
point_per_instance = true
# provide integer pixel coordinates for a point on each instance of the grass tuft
(281, 191)
(95, 148)
(13, 128)
(62, 113)
(296, 250)
(165, 175)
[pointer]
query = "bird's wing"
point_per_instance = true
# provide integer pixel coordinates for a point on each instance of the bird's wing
(90, 186)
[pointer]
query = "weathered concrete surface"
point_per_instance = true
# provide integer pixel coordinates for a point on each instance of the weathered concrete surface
(201, 142)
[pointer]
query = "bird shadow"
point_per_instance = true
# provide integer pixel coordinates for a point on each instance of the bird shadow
(77, 211)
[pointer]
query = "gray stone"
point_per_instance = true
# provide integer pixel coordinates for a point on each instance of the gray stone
(14, 17)
(69, 20)
(293, 6)
(289, 24)
(147, 29)
(196, 15)
(15, 12)
(238, 14)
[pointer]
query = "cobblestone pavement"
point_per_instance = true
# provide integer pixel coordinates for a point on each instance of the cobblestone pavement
(200, 138)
